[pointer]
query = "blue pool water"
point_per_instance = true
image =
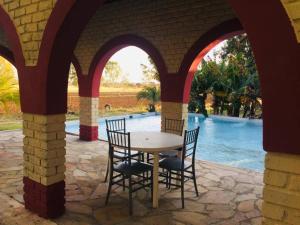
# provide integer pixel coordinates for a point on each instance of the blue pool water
(232, 141)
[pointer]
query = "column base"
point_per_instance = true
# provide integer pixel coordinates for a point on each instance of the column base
(46, 201)
(88, 133)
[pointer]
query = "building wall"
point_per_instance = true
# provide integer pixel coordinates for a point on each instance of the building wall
(30, 19)
(171, 26)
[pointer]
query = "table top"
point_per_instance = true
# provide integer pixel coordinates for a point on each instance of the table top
(149, 141)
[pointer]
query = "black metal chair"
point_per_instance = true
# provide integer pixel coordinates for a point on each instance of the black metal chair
(182, 169)
(121, 154)
(173, 126)
(127, 169)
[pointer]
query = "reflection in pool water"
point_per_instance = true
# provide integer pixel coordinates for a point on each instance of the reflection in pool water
(231, 141)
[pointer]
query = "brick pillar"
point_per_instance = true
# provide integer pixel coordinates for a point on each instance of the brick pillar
(174, 110)
(44, 158)
(282, 189)
(89, 118)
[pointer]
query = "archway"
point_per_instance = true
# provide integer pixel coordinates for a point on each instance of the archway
(89, 84)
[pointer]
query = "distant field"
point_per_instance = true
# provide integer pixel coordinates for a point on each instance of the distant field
(74, 89)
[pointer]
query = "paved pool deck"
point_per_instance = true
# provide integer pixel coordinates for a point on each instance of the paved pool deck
(228, 196)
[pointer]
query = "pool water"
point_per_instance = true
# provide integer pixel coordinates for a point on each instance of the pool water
(232, 141)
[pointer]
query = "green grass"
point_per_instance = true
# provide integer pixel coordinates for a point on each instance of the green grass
(10, 125)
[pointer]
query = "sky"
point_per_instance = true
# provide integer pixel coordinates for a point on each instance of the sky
(130, 59)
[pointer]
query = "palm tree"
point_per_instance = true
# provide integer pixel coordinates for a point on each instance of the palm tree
(152, 94)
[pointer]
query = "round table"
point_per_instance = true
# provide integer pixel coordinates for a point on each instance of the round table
(155, 142)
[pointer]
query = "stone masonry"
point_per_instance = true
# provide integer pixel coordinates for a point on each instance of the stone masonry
(163, 23)
(292, 8)
(174, 110)
(282, 189)
(89, 118)
(44, 163)
(30, 18)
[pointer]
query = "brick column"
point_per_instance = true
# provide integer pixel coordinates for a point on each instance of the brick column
(174, 110)
(89, 118)
(282, 189)
(44, 158)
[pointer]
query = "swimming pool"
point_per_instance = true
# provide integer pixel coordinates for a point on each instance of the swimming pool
(232, 141)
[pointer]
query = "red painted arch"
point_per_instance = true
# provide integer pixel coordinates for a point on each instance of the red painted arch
(62, 31)
(277, 55)
(181, 81)
(15, 55)
(201, 47)
(89, 85)
(7, 54)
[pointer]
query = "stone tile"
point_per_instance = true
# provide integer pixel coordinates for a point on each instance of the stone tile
(227, 195)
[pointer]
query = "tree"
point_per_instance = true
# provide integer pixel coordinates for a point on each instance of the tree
(150, 71)
(112, 72)
(232, 80)
(9, 91)
(152, 94)
(73, 79)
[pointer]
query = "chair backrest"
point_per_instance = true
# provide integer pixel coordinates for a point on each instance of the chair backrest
(174, 126)
(116, 125)
(190, 144)
(119, 140)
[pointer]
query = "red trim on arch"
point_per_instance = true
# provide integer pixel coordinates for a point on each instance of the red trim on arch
(76, 64)
(91, 87)
(200, 48)
(277, 55)
(7, 54)
(13, 39)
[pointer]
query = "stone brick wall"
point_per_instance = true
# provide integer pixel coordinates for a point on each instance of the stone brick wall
(30, 18)
(171, 26)
(44, 148)
(116, 100)
(89, 111)
(174, 110)
(282, 189)
(292, 8)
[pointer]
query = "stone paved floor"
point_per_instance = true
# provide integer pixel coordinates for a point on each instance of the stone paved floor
(228, 196)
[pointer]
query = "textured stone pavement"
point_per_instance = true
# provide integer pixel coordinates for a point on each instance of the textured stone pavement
(228, 196)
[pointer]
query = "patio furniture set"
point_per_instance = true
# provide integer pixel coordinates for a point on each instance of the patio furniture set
(169, 156)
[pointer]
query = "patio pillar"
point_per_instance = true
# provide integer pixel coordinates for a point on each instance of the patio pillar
(44, 158)
(89, 118)
(174, 110)
(282, 189)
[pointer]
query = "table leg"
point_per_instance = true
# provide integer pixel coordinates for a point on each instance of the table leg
(155, 180)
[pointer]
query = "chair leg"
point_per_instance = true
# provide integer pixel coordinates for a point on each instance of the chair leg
(107, 171)
(182, 189)
(109, 187)
(170, 178)
(151, 182)
(195, 182)
(167, 178)
(130, 195)
(123, 182)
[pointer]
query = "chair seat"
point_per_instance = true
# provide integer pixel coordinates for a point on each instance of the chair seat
(173, 163)
(172, 153)
(135, 168)
(119, 154)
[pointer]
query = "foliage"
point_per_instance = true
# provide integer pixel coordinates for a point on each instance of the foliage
(150, 71)
(232, 80)
(112, 72)
(152, 94)
(9, 91)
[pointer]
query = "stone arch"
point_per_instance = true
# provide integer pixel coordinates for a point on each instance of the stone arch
(201, 47)
(110, 48)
